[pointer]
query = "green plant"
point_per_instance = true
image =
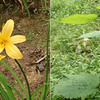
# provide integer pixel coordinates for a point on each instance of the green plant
(26, 7)
(64, 59)
(47, 65)
(77, 86)
(30, 36)
(9, 6)
(78, 19)
(1, 5)
(6, 90)
(90, 35)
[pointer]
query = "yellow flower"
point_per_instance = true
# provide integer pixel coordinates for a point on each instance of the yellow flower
(1, 57)
(7, 41)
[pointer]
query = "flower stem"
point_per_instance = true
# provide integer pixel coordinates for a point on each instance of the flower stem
(47, 63)
(29, 92)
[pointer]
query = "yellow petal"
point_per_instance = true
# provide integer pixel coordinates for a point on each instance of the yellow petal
(1, 57)
(8, 28)
(17, 39)
(0, 37)
(13, 52)
(1, 48)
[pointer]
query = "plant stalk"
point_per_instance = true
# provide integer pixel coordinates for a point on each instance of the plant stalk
(29, 92)
(47, 63)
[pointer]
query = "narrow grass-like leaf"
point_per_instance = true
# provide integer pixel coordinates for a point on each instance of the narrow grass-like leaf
(17, 78)
(26, 7)
(91, 34)
(8, 89)
(4, 93)
(2, 97)
(10, 80)
(78, 18)
(21, 98)
(47, 63)
(29, 92)
(36, 91)
(48, 89)
(10, 86)
(42, 93)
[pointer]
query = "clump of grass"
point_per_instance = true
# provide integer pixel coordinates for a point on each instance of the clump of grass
(22, 2)
(30, 36)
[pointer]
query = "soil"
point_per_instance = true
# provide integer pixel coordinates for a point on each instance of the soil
(35, 29)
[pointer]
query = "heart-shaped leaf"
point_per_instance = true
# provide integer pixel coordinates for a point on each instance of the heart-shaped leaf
(76, 86)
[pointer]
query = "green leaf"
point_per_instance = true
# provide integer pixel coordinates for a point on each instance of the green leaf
(36, 92)
(21, 98)
(17, 78)
(78, 18)
(98, 7)
(8, 89)
(43, 91)
(76, 86)
(4, 82)
(4, 93)
(26, 7)
(91, 34)
(2, 97)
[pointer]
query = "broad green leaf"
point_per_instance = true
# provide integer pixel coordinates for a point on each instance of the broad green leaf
(78, 18)
(91, 34)
(98, 7)
(76, 86)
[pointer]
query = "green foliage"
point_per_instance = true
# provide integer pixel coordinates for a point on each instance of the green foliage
(26, 7)
(9, 6)
(63, 8)
(78, 19)
(17, 78)
(1, 5)
(91, 34)
(64, 59)
(30, 36)
(98, 7)
(6, 89)
(76, 86)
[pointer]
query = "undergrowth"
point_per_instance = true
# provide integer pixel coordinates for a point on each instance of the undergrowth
(64, 58)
